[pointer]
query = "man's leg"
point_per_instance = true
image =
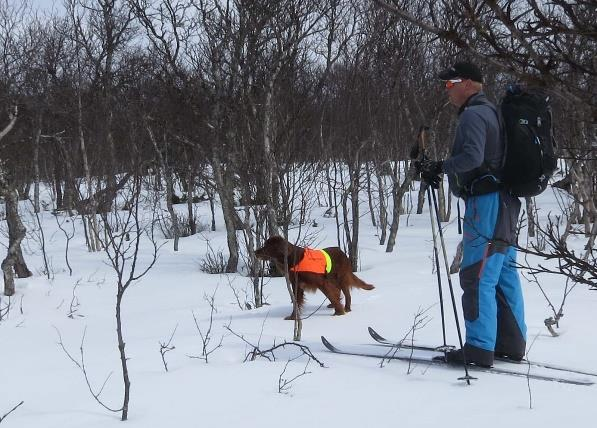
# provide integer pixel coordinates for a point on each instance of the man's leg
(481, 267)
(511, 330)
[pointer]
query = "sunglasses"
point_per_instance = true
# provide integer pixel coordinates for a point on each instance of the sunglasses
(450, 83)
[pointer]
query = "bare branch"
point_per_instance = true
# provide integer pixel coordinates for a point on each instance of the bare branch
(206, 335)
(11, 410)
(165, 348)
(12, 117)
(81, 366)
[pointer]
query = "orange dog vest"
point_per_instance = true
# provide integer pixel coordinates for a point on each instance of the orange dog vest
(316, 261)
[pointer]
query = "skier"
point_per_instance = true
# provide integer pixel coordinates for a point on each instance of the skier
(492, 299)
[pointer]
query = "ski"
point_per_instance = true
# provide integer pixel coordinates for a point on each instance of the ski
(380, 339)
(440, 363)
(386, 342)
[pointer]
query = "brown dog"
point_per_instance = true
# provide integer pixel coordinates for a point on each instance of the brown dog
(339, 277)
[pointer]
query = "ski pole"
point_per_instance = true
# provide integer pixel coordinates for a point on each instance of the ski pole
(467, 376)
(437, 268)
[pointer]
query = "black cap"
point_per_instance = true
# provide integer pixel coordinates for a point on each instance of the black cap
(464, 70)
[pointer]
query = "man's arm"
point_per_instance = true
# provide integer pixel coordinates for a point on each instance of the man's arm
(473, 131)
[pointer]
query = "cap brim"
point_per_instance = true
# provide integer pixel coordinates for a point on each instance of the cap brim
(447, 75)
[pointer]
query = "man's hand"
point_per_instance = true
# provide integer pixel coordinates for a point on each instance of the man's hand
(430, 171)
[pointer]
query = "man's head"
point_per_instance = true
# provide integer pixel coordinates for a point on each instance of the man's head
(463, 79)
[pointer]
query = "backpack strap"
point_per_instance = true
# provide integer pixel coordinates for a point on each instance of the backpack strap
(489, 178)
(502, 132)
(502, 129)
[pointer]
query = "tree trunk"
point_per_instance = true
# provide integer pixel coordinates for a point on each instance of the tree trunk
(330, 187)
(7, 269)
(383, 212)
(586, 220)
(441, 200)
(169, 183)
(158, 180)
(36, 174)
(170, 207)
(398, 191)
(397, 206)
(270, 172)
(530, 216)
(589, 247)
(23, 191)
(421, 197)
(58, 188)
(355, 214)
(212, 207)
(123, 359)
(449, 205)
(225, 191)
(190, 195)
(93, 240)
(457, 261)
(16, 232)
(253, 263)
(370, 196)
(69, 195)
(575, 213)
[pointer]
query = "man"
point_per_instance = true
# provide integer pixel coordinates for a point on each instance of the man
(492, 300)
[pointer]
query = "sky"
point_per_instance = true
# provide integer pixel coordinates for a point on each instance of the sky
(46, 5)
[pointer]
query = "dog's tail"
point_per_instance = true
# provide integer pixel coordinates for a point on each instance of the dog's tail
(359, 283)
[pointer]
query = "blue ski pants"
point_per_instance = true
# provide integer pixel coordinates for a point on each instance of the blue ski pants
(492, 299)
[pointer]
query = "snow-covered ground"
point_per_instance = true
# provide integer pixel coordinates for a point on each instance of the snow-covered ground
(228, 392)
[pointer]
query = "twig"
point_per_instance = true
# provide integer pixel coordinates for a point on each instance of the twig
(5, 311)
(315, 310)
(269, 354)
(74, 303)
(10, 411)
(83, 369)
(529, 371)
(236, 293)
(576, 269)
(42, 242)
(165, 348)
(284, 385)
(419, 322)
(68, 239)
(206, 336)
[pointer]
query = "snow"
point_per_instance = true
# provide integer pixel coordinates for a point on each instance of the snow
(228, 392)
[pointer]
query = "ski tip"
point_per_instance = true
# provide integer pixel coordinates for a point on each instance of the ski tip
(375, 335)
(327, 344)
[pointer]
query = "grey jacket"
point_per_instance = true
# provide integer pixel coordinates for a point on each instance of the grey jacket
(478, 146)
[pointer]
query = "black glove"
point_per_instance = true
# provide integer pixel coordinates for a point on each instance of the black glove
(430, 171)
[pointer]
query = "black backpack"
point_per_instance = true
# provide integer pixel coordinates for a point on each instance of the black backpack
(529, 160)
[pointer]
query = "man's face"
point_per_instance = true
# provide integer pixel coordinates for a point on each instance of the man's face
(458, 91)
